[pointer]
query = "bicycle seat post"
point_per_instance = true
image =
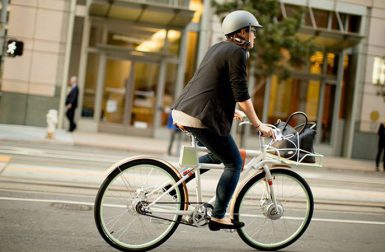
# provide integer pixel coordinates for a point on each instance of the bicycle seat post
(194, 143)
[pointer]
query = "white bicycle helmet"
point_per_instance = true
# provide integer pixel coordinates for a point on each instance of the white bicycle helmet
(237, 20)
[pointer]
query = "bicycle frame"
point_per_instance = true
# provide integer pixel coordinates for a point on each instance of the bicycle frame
(189, 158)
(148, 190)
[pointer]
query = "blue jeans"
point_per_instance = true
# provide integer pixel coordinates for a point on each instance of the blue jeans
(223, 150)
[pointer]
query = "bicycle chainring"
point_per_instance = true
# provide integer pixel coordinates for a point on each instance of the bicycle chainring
(202, 214)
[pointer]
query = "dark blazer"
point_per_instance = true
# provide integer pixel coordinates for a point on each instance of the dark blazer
(381, 133)
(72, 97)
(219, 82)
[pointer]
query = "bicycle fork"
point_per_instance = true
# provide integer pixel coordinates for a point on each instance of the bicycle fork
(271, 209)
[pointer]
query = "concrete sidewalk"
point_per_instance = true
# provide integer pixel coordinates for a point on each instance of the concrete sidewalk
(136, 144)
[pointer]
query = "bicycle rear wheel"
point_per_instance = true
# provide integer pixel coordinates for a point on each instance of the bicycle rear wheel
(120, 206)
(264, 228)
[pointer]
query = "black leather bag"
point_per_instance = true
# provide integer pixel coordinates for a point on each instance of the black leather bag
(302, 135)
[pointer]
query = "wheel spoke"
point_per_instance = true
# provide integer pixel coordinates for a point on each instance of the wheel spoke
(125, 180)
(276, 226)
(121, 205)
(113, 220)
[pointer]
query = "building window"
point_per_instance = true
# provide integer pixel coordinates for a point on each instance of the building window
(95, 35)
(324, 19)
(321, 18)
(288, 96)
(354, 23)
(291, 10)
(145, 39)
(335, 23)
(378, 77)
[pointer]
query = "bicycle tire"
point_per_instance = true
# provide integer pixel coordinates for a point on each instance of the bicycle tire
(262, 231)
(122, 193)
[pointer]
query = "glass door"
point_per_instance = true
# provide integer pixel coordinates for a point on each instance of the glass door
(141, 110)
(128, 95)
(291, 95)
(116, 83)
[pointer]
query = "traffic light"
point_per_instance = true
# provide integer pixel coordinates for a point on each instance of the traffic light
(14, 48)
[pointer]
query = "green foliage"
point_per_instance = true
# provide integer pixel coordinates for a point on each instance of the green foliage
(277, 49)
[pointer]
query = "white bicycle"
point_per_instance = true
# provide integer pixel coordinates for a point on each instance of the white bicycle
(143, 199)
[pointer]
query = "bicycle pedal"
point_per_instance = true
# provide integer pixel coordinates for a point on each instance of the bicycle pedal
(187, 219)
(229, 230)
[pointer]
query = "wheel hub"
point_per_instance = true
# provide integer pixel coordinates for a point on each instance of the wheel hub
(141, 207)
(271, 211)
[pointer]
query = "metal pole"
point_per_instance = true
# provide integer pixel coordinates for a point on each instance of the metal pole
(321, 101)
(100, 87)
(67, 56)
(3, 25)
(251, 84)
(336, 110)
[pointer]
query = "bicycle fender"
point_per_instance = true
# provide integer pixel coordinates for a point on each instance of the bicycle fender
(130, 159)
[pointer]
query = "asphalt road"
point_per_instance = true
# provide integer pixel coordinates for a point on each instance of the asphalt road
(47, 194)
(53, 218)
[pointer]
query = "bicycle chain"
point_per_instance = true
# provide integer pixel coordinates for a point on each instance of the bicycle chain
(180, 222)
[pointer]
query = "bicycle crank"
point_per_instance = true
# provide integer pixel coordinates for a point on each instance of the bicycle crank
(202, 214)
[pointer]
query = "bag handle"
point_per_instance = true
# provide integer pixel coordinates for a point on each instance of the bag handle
(303, 125)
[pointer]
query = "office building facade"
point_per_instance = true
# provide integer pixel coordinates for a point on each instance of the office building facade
(133, 57)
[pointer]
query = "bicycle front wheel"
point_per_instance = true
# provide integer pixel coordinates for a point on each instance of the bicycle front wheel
(269, 226)
(121, 213)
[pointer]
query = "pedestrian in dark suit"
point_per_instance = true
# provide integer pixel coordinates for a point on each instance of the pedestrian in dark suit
(72, 103)
(381, 145)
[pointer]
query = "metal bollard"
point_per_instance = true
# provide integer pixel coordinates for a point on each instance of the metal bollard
(51, 123)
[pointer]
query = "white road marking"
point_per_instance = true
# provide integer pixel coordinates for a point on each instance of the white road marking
(62, 154)
(349, 221)
(92, 204)
(47, 201)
